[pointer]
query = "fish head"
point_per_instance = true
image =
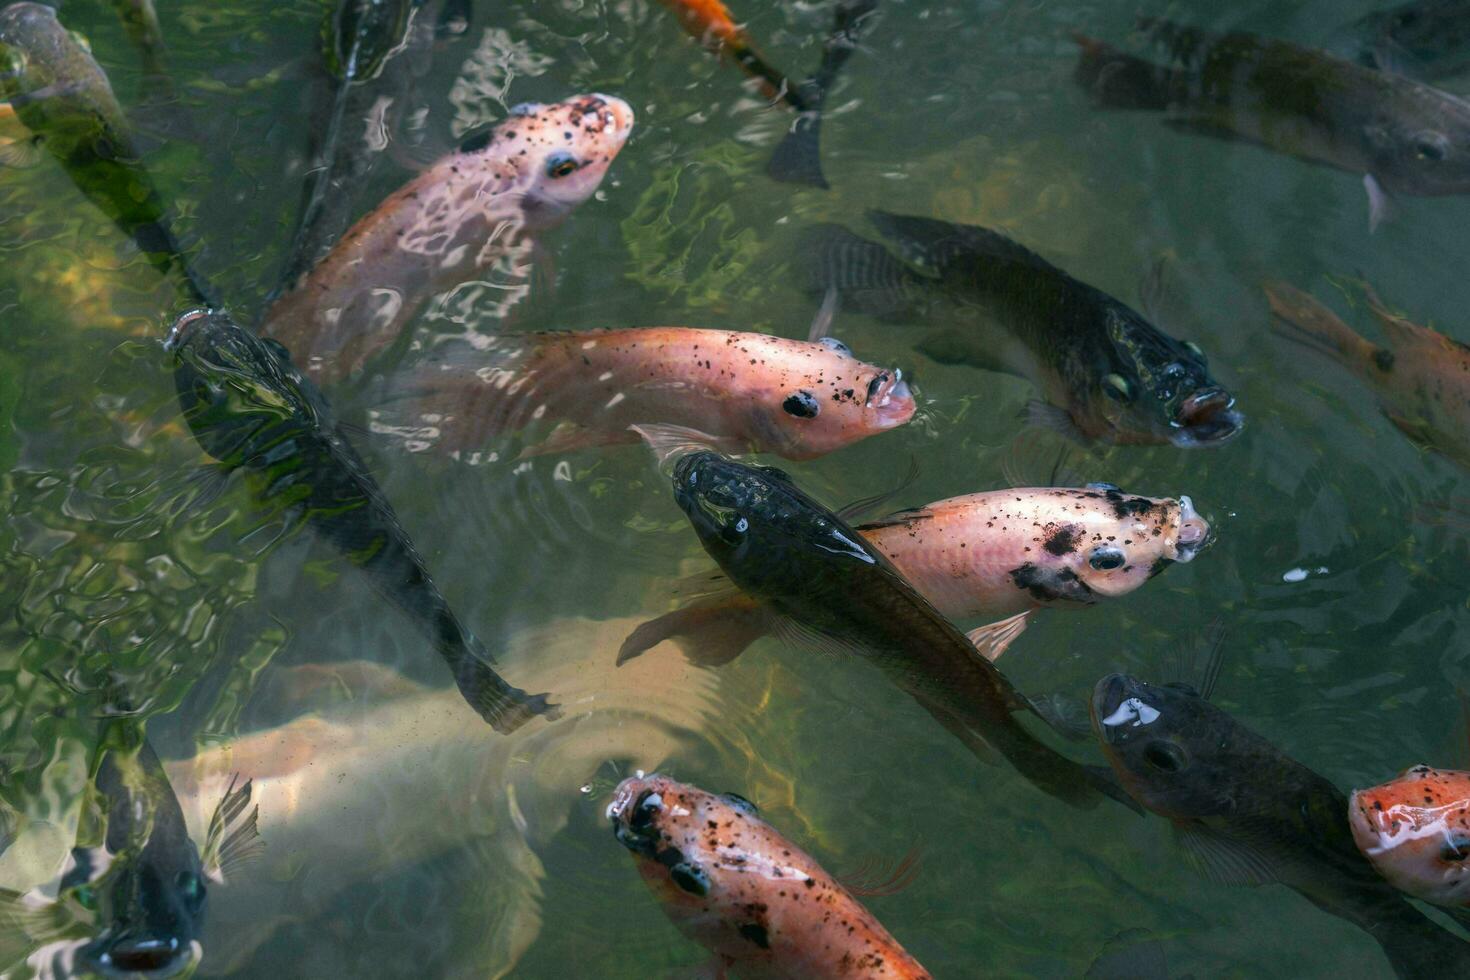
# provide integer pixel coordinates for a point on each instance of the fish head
(667, 827)
(1099, 542)
(231, 384)
(1160, 389)
(1415, 830)
(560, 152)
(764, 532)
(825, 399)
(1420, 145)
(1172, 750)
(148, 904)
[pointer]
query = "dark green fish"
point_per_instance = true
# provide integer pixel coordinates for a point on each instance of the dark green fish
(1105, 372)
(250, 408)
(829, 587)
(1422, 38)
(1401, 135)
(61, 95)
(1247, 813)
(132, 897)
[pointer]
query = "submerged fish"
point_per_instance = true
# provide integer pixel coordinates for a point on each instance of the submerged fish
(1401, 135)
(831, 588)
(745, 392)
(1105, 371)
(1421, 377)
(345, 789)
(1416, 831)
(797, 159)
(1247, 813)
(732, 882)
(250, 409)
(1422, 38)
(61, 95)
(140, 19)
(133, 904)
(1002, 553)
(471, 210)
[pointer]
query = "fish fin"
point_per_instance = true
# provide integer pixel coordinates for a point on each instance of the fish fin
(504, 706)
(870, 278)
(1030, 462)
(950, 347)
(825, 315)
(197, 491)
(1419, 432)
(21, 152)
(858, 509)
(568, 437)
(29, 921)
(1380, 205)
(1222, 859)
(897, 518)
(669, 442)
(799, 634)
(1045, 415)
(978, 747)
(1305, 320)
(1153, 291)
(798, 157)
(233, 837)
(1118, 80)
(932, 243)
(877, 877)
(710, 633)
(1399, 328)
(1066, 716)
(993, 639)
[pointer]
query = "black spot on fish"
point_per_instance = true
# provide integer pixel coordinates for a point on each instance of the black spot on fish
(1384, 359)
(1049, 585)
(1125, 506)
(756, 933)
(803, 405)
(691, 878)
(1063, 540)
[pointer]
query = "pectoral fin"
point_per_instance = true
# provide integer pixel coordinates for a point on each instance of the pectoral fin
(879, 877)
(233, 837)
(710, 632)
(1420, 433)
(1380, 205)
(1044, 415)
(1221, 858)
(993, 639)
(570, 438)
(20, 152)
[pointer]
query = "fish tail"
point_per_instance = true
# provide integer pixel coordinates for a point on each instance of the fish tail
(503, 705)
(1303, 319)
(798, 157)
(868, 278)
(1119, 80)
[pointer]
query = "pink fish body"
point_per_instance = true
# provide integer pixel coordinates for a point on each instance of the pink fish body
(469, 211)
(745, 391)
(731, 882)
(1415, 830)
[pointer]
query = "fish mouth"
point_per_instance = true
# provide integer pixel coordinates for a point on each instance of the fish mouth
(1193, 533)
(154, 957)
(183, 328)
(1206, 418)
(631, 811)
(606, 114)
(891, 399)
(1367, 818)
(1118, 706)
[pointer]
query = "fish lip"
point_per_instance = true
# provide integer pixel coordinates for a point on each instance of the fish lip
(622, 113)
(183, 328)
(893, 403)
(1208, 417)
(1108, 694)
(180, 956)
(1189, 520)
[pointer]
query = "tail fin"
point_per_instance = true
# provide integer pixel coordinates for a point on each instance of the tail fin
(1305, 320)
(504, 706)
(868, 277)
(798, 157)
(1118, 80)
(934, 243)
(710, 633)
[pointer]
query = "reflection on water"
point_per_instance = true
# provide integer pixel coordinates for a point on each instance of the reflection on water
(403, 836)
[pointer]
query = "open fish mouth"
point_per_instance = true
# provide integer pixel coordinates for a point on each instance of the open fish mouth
(1118, 707)
(636, 803)
(605, 114)
(156, 958)
(183, 329)
(1206, 418)
(1193, 533)
(891, 399)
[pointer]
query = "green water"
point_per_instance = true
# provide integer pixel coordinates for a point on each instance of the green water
(961, 111)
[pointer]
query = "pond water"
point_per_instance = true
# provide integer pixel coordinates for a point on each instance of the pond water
(424, 844)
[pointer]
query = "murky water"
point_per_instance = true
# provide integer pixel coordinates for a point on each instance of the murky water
(426, 845)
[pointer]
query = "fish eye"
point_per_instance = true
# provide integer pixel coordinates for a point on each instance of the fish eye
(832, 343)
(560, 164)
(803, 405)
(1431, 146)
(1107, 558)
(1164, 756)
(733, 532)
(741, 803)
(191, 885)
(1118, 388)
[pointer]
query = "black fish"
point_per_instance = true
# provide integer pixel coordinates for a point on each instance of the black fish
(133, 903)
(798, 158)
(1401, 135)
(829, 587)
(249, 407)
(1104, 370)
(1247, 813)
(62, 96)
